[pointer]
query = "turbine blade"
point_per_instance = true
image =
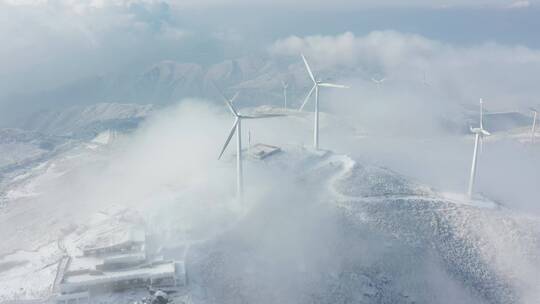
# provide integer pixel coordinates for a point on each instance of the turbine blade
(231, 107)
(307, 98)
(261, 116)
(331, 85)
(234, 97)
(308, 69)
(231, 133)
(227, 101)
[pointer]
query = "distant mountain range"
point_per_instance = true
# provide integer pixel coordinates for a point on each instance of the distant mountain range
(88, 121)
(258, 79)
(113, 101)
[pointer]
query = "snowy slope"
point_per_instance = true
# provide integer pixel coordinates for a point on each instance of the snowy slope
(354, 233)
(369, 235)
(87, 121)
(18, 147)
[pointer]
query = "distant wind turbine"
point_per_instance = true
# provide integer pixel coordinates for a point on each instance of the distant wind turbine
(378, 82)
(237, 128)
(480, 132)
(316, 85)
(425, 81)
(533, 129)
(285, 85)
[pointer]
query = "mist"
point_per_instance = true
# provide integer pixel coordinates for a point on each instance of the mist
(415, 120)
(377, 215)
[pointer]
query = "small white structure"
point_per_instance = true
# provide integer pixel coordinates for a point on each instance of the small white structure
(262, 151)
(132, 240)
(115, 258)
(157, 274)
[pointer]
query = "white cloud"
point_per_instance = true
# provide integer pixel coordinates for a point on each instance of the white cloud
(388, 48)
(78, 38)
(505, 76)
(520, 4)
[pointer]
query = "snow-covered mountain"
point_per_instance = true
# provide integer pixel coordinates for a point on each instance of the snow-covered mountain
(357, 233)
(374, 237)
(259, 81)
(88, 121)
(20, 148)
(168, 82)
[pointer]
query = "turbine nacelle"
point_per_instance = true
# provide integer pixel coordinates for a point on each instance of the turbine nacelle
(479, 131)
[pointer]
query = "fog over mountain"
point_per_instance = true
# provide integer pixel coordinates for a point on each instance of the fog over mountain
(112, 119)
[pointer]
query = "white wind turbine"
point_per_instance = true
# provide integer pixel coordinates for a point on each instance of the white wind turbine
(378, 82)
(237, 128)
(479, 132)
(316, 84)
(533, 129)
(285, 85)
(425, 80)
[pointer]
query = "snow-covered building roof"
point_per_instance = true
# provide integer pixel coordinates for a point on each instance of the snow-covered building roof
(125, 259)
(118, 239)
(262, 151)
(147, 274)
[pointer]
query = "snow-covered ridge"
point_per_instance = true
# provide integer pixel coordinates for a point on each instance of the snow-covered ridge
(368, 235)
(89, 120)
(466, 235)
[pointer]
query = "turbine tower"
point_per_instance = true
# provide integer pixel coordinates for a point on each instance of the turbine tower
(425, 80)
(237, 128)
(316, 85)
(479, 132)
(285, 86)
(533, 129)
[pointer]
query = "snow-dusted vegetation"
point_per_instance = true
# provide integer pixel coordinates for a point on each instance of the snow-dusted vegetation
(113, 188)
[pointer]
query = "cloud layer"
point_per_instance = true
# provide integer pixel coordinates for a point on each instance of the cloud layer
(420, 72)
(50, 43)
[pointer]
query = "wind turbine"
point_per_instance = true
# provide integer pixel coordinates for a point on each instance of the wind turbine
(237, 128)
(425, 81)
(378, 82)
(479, 132)
(533, 129)
(316, 85)
(285, 86)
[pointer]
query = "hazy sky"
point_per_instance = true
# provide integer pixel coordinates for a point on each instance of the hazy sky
(50, 43)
